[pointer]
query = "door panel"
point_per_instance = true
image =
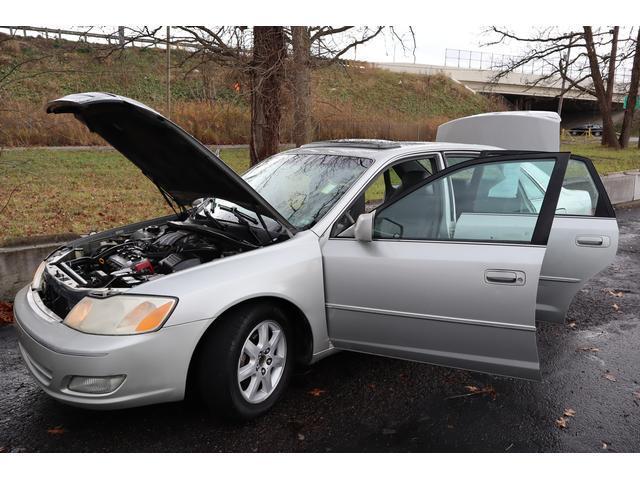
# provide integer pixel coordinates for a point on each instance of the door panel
(582, 242)
(431, 302)
(452, 273)
(572, 258)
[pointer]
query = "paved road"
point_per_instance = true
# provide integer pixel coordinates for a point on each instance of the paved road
(353, 402)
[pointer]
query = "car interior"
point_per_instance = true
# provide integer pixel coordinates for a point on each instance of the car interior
(396, 180)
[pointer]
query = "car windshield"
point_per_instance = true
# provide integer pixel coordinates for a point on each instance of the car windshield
(303, 187)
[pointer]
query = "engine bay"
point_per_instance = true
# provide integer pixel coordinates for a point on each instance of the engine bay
(130, 258)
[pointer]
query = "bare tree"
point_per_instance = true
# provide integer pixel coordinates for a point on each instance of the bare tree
(301, 43)
(604, 93)
(315, 47)
(629, 111)
(267, 76)
(321, 46)
(260, 56)
(586, 61)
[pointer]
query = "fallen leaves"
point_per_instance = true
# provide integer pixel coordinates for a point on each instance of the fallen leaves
(316, 392)
(637, 394)
(616, 307)
(563, 421)
(6, 313)
(605, 445)
(609, 376)
(613, 293)
(475, 390)
(572, 325)
(59, 430)
(587, 349)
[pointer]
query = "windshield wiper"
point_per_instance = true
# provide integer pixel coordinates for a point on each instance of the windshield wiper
(245, 219)
(242, 217)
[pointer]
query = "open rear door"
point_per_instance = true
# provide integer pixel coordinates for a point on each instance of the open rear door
(583, 240)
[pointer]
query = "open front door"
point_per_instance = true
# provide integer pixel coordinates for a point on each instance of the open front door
(451, 276)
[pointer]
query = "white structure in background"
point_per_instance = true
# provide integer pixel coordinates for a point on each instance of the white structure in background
(528, 130)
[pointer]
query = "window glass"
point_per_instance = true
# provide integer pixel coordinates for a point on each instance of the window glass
(487, 202)
(456, 158)
(303, 187)
(387, 185)
(579, 195)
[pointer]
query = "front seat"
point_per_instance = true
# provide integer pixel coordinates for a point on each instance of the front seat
(409, 179)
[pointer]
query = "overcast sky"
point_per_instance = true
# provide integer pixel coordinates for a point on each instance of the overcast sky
(431, 43)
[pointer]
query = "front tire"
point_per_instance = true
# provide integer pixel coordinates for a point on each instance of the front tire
(246, 361)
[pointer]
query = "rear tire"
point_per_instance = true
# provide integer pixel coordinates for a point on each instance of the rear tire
(246, 361)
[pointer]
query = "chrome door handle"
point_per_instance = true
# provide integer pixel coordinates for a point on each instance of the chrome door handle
(592, 241)
(505, 277)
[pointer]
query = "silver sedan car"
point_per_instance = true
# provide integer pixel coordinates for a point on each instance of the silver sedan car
(438, 252)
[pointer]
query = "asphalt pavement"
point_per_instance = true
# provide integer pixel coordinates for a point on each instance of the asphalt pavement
(588, 400)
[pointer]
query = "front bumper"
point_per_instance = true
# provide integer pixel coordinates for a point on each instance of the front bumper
(155, 364)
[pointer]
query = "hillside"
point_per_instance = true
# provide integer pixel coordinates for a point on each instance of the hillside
(212, 102)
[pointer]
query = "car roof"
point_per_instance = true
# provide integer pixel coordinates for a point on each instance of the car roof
(382, 150)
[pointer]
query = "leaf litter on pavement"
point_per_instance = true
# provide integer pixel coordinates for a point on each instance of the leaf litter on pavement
(563, 421)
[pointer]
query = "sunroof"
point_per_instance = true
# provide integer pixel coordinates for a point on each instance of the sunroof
(357, 143)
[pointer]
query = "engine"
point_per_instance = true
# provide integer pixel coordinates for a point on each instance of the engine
(124, 262)
(135, 256)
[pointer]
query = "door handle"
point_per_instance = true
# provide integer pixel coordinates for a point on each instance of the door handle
(505, 277)
(592, 241)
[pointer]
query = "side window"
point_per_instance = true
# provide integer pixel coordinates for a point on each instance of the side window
(453, 158)
(579, 195)
(386, 186)
(486, 202)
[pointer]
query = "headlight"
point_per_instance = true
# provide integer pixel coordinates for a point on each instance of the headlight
(37, 277)
(120, 314)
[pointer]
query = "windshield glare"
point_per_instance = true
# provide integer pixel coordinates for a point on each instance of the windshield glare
(303, 187)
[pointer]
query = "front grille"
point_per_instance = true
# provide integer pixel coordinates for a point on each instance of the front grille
(57, 297)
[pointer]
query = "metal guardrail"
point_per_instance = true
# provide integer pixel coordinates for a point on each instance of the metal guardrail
(118, 37)
(477, 60)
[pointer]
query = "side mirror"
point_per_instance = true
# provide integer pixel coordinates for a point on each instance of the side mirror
(363, 231)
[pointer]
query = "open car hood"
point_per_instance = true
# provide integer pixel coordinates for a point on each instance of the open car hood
(182, 167)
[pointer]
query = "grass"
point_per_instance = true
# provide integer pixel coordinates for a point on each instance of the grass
(77, 191)
(52, 191)
(606, 160)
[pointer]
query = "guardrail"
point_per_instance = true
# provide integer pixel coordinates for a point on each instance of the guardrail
(476, 60)
(118, 37)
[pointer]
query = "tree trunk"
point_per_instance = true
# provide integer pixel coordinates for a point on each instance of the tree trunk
(631, 98)
(267, 74)
(611, 82)
(301, 85)
(608, 132)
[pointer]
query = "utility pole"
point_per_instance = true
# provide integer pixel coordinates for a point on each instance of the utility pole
(168, 78)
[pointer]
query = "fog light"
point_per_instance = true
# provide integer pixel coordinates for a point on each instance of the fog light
(96, 385)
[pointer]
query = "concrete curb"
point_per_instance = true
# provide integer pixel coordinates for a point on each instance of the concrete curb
(622, 187)
(18, 263)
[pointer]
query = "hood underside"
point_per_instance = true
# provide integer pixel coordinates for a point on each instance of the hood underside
(181, 166)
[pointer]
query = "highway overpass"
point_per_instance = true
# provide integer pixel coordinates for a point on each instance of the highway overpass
(483, 81)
